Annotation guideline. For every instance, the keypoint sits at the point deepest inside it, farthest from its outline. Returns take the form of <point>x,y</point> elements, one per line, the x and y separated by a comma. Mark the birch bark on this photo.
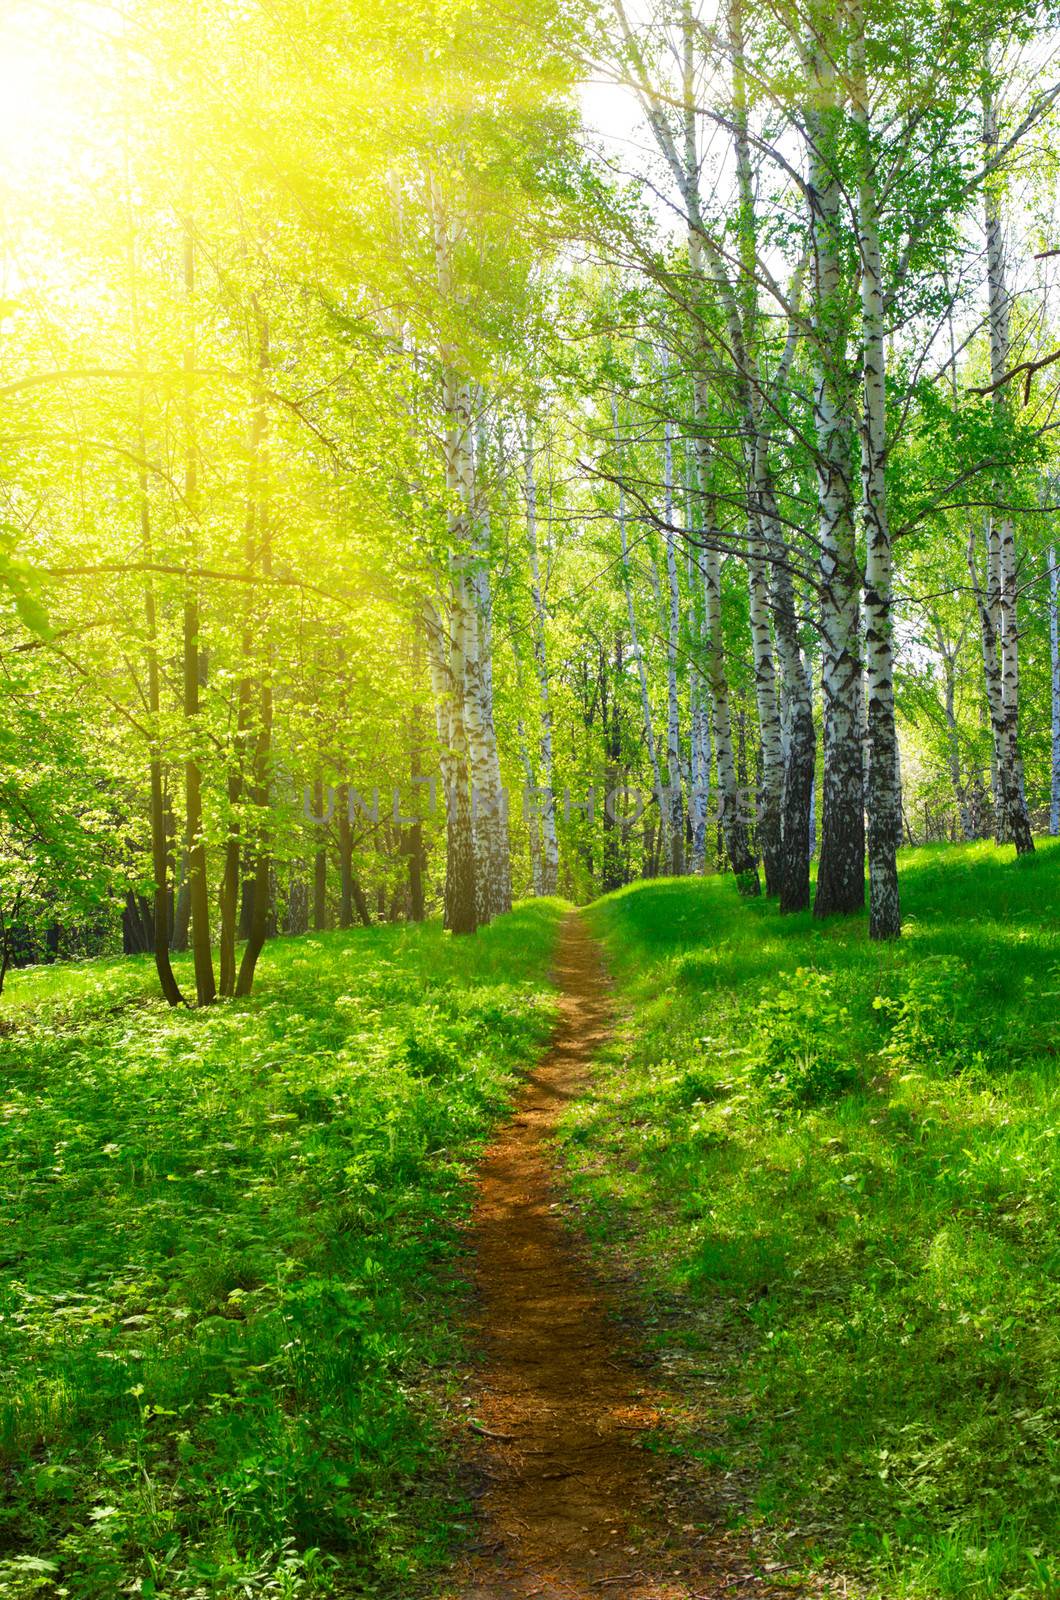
<point>634,637</point>
<point>699,708</point>
<point>841,872</point>
<point>882,783</point>
<point>771,768</point>
<point>1054,657</point>
<point>1011,816</point>
<point>493,884</point>
<point>742,316</point>
<point>675,820</point>
<point>948,655</point>
<point>549,842</point>
<point>533,821</point>
<point>797,826</point>
<point>731,817</point>
<point>460,892</point>
<point>261,890</point>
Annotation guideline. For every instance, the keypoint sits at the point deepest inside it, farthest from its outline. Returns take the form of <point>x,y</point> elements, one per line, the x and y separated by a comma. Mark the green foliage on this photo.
<point>229,1263</point>
<point>836,1166</point>
<point>798,1058</point>
<point>17,585</point>
<point>936,1022</point>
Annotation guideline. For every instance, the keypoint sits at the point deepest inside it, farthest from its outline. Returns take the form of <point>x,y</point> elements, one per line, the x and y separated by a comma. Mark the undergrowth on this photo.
<point>228,1302</point>
<point>837,1166</point>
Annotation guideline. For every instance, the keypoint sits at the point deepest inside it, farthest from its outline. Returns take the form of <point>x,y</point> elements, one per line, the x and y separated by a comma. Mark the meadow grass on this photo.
<point>230,1315</point>
<point>835,1168</point>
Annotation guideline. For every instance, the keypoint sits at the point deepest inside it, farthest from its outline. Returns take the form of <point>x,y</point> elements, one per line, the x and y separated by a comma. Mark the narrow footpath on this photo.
<point>572,1506</point>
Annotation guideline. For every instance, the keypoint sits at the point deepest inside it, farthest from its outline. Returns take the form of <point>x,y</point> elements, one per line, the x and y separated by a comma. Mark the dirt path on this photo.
<point>572,1507</point>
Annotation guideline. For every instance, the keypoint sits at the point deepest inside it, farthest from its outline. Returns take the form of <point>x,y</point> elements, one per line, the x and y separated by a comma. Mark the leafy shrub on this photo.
<point>798,1056</point>
<point>937,1020</point>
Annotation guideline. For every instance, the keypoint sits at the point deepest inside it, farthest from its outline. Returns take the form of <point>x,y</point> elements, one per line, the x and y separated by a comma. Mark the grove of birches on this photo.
<point>452,452</point>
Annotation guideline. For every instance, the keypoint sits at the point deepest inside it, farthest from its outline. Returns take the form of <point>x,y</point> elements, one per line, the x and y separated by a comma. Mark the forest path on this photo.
<point>572,1507</point>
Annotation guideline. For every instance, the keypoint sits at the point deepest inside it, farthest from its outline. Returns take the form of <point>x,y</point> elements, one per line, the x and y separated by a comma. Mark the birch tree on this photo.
<point>549,842</point>
<point>997,597</point>
<point>673,800</point>
<point>841,870</point>
<point>882,783</point>
<point>1054,679</point>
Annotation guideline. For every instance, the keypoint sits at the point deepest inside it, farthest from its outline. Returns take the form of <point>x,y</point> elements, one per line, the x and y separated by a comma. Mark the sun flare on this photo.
<point>43,105</point>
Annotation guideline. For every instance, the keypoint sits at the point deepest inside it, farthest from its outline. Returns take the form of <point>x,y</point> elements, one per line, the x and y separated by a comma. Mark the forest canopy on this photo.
<point>448,453</point>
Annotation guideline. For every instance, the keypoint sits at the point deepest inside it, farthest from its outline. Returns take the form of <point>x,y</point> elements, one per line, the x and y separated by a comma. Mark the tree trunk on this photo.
<point>549,842</point>
<point>961,794</point>
<point>414,844</point>
<point>136,930</point>
<point>445,659</point>
<point>228,898</point>
<point>262,877</point>
<point>460,896</point>
<point>700,753</point>
<point>530,776</point>
<point>675,811</point>
<point>841,873</point>
<point>612,875</point>
<point>771,772</point>
<point>320,861</point>
<point>198,887</point>
<point>179,937</point>
<point>1054,657</point>
<point>159,832</point>
<point>699,710</point>
<point>259,916</point>
<point>1011,814</point>
<point>731,814</point>
<point>797,793</point>
<point>642,671</point>
<point>493,878</point>
<point>882,791</point>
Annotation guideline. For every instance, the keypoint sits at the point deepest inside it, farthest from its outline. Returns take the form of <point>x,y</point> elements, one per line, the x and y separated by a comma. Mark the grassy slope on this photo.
<point>836,1166</point>
<point>221,1289</point>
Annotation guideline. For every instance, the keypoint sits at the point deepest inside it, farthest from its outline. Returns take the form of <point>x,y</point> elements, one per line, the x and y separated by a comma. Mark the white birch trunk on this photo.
<point>1012,819</point>
<point>1054,657</point>
<point>841,873</point>
<point>801,752</point>
<point>461,894</point>
<point>882,784</point>
<point>730,808</point>
<point>948,657</point>
<point>699,707</point>
<point>549,842</point>
<point>530,775</point>
<point>771,772</point>
<point>493,883</point>
<point>634,637</point>
<point>675,820</point>
<point>741,311</point>
<point>460,898</point>
<point>987,598</point>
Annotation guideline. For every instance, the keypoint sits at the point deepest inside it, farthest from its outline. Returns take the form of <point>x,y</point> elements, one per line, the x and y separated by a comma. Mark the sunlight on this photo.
<point>42,106</point>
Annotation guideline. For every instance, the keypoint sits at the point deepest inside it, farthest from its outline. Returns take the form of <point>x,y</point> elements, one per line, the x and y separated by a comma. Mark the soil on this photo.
<point>572,1504</point>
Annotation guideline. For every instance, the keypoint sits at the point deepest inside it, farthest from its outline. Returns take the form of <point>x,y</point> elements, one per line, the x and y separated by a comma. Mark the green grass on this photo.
<point>836,1167</point>
<point>229,1304</point>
